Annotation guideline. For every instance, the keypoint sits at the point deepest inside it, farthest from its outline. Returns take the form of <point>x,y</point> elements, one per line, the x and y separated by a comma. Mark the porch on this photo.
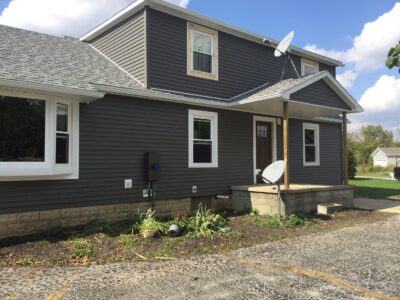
<point>299,198</point>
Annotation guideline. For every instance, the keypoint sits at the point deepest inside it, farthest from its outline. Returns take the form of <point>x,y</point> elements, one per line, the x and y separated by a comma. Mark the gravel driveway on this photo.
<point>361,262</point>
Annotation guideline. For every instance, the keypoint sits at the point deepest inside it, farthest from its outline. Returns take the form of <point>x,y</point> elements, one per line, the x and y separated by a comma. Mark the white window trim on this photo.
<point>315,127</point>
<point>213,117</point>
<point>214,52</point>
<point>47,170</point>
<point>308,62</point>
<point>274,147</point>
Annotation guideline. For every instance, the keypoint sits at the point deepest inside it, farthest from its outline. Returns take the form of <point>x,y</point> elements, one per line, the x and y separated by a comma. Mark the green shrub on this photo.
<point>82,248</point>
<point>282,221</point>
<point>205,223</point>
<point>351,165</point>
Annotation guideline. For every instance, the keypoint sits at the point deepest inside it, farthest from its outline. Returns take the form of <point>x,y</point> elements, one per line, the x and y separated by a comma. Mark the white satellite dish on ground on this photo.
<point>271,175</point>
<point>283,48</point>
<point>284,45</point>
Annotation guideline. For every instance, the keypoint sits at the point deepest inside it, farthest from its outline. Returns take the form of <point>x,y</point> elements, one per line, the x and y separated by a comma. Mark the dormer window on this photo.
<point>202,52</point>
<point>309,67</point>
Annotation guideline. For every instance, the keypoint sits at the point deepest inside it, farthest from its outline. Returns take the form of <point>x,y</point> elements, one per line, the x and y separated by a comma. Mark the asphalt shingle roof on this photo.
<point>391,151</point>
<point>277,88</point>
<point>57,61</point>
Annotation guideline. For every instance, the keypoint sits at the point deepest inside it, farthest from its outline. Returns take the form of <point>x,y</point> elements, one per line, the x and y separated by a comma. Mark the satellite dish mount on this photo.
<point>272,175</point>
<point>283,48</point>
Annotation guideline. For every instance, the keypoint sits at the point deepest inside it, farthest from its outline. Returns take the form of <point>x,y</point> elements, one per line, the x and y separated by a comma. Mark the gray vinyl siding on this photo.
<point>243,65</point>
<point>330,169</point>
<point>115,134</point>
<point>125,45</point>
<point>320,93</point>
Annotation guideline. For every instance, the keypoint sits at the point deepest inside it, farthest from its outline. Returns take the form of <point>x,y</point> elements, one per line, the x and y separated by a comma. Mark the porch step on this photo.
<point>328,208</point>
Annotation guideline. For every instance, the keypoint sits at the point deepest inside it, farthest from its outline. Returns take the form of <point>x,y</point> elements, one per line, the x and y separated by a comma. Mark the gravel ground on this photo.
<point>361,262</point>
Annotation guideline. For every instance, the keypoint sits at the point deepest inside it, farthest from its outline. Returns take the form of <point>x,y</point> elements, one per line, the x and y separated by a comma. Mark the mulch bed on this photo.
<point>115,243</point>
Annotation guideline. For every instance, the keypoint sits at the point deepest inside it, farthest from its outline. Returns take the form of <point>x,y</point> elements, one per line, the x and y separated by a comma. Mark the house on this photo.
<point>205,102</point>
<point>386,157</point>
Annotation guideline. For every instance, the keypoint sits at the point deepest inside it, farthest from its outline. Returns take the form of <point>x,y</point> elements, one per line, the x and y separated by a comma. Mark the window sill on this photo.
<point>311,164</point>
<point>24,173</point>
<point>203,166</point>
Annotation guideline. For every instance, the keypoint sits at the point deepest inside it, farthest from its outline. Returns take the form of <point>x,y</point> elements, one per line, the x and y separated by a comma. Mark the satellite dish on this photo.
<point>274,172</point>
<point>284,45</point>
<point>271,175</point>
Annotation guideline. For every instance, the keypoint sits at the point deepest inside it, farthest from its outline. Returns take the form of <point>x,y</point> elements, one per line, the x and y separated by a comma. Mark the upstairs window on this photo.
<point>203,139</point>
<point>310,144</point>
<point>202,52</point>
<point>309,67</point>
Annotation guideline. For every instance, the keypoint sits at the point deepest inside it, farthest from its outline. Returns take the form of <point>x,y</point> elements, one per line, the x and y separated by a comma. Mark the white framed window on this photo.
<point>39,137</point>
<point>203,139</point>
<point>311,149</point>
<point>202,48</point>
<point>309,67</point>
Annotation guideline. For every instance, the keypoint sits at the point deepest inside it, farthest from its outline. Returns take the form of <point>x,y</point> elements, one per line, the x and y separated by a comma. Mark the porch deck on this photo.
<point>299,198</point>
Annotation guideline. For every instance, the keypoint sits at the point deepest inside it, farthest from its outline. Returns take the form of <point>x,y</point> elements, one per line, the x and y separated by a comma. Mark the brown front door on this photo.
<point>263,146</point>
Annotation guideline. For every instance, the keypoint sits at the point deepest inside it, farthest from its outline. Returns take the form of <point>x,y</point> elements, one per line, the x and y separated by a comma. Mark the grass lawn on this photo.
<point>377,188</point>
<point>374,174</point>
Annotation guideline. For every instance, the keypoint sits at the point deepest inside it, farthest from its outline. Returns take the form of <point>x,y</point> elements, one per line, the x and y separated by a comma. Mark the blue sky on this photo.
<point>335,28</point>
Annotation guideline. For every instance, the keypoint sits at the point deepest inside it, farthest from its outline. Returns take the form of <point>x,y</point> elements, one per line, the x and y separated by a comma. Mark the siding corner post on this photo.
<point>147,45</point>
<point>286,142</point>
<point>344,149</point>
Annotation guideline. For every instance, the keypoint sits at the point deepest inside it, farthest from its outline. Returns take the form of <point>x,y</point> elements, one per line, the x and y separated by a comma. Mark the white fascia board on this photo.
<point>81,95</point>
<point>186,14</point>
<point>377,149</point>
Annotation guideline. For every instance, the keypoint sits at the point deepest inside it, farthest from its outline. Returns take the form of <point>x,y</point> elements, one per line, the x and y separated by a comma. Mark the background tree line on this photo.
<point>363,142</point>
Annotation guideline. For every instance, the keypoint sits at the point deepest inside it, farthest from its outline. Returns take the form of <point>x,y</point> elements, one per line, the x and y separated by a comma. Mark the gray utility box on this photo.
<point>153,166</point>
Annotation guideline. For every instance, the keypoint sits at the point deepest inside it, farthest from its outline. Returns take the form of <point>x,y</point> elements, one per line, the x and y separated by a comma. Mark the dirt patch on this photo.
<point>105,243</point>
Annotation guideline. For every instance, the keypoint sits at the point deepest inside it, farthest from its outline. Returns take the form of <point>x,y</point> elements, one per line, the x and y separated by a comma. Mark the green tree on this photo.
<point>393,58</point>
<point>367,140</point>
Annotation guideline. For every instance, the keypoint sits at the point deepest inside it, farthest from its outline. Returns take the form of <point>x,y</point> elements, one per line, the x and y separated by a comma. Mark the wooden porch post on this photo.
<point>344,149</point>
<point>286,142</point>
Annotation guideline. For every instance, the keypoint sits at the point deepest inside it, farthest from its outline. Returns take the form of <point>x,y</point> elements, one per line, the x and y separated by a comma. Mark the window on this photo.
<point>309,67</point>
<point>39,138</point>
<point>203,139</point>
<point>310,144</point>
<point>62,134</point>
<point>22,130</point>
<point>202,52</point>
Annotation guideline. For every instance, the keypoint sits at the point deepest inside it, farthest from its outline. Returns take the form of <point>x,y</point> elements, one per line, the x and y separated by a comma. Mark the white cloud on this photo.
<point>63,17</point>
<point>384,95</point>
<point>381,103</point>
<point>347,78</point>
<point>370,47</point>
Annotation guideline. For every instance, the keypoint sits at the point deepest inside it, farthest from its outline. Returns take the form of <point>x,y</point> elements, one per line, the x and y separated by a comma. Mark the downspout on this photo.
<point>147,44</point>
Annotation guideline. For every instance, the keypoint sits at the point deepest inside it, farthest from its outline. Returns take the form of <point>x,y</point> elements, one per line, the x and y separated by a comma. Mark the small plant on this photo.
<point>82,248</point>
<point>149,226</point>
<point>127,240</point>
<point>254,211</point>
<point>205,223</point>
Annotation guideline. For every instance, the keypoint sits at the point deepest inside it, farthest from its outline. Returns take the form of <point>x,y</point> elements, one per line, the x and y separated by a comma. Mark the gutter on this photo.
<point>40,88</point>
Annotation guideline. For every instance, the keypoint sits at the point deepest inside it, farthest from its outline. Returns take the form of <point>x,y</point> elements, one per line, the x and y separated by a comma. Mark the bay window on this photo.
<point>39,137</point>
<point>203,139</point>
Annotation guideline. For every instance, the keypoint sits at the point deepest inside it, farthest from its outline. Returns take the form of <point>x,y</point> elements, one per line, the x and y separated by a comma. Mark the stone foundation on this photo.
<point>26,223</point>
<point>302,201</point>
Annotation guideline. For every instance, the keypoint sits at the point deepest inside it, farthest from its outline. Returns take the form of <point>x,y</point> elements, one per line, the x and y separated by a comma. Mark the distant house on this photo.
<point>385,157</point>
